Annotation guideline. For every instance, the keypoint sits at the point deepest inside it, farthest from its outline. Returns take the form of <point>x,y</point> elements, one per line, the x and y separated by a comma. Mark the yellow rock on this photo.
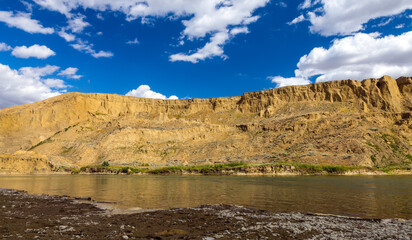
<point>339,122</point>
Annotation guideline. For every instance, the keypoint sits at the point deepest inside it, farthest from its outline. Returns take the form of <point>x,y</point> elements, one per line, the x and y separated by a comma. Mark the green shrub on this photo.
<point>105,164</point>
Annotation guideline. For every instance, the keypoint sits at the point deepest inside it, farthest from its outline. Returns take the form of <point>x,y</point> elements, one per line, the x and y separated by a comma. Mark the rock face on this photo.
<point>345,122</point>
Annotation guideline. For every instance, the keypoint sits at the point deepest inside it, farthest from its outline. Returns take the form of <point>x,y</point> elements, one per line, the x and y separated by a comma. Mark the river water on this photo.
<point>362,196</point>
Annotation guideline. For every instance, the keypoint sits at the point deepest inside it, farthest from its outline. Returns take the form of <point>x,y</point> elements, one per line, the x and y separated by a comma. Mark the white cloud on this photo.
<point>76,23</point>
<point>37,72</point>
<point>173,97</point>
<point>59,6</point>
<point>346,17</point>
<point>133,42</point>
<point>299,19</point>
<point>88,48</point>
<point>211,49</point>
<point>239,30</point>
<point>70,73</point>
<point>36,51</point>
<point>305,4</point>
<point>24,22</point>
<point>27,85</point>
<point>55,83</point>
<point>100,16</point>
<point>283,82</point>
<point>202,18</point>
<point>282,4</point>
<point>143,91</point>
<point>358,57</point>
<point>67,36</point>
<point>101,54</point>
<point>4,47</point>
<point>400,26</point>
<point>28,6</point>
<point>385,22</point>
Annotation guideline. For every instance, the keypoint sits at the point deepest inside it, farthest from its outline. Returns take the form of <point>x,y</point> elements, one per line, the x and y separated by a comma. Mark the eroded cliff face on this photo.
<point>345,122</point>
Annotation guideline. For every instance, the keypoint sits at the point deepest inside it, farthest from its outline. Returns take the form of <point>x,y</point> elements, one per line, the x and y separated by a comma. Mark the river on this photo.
<point>361,196</point>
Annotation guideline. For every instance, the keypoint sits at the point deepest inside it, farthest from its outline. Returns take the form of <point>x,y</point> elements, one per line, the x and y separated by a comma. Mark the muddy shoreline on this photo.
<point>27,216</point>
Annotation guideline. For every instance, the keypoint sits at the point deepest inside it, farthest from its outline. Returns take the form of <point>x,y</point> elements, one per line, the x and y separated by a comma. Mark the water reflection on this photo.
<point>368,196</point>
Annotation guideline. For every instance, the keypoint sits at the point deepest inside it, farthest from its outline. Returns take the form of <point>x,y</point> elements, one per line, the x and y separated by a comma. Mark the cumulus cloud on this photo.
<point>143,91</point>
<point>133,42</point>
<point>239,30</point>
<point>85,47</point>
<point>202,18</point>
<point>399,26</point>
<point>76,23</point>
<point>36,51</point>
<point>55,83</point>
<point>305,4</point>
<point>28,85</point>
<point>24,22</point>
<point>211,49</point>
<point>4,47</point>
<point>70,72</point>
<point>283,82</point>
<point>357,57</point>
<point>67,36</point>
<point>299,19</point>
<point>346,17</point>
<point>37,72</point>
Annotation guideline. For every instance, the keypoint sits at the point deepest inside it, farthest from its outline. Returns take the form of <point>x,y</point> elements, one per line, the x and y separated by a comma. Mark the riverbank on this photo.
<point>61,217</point>
<point>239,168</point>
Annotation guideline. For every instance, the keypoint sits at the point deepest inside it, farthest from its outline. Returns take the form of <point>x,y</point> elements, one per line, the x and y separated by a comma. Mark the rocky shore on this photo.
<point>61,217</point>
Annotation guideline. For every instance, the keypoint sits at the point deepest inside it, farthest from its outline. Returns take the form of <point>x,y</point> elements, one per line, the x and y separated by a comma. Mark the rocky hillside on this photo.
<point>347,122</point>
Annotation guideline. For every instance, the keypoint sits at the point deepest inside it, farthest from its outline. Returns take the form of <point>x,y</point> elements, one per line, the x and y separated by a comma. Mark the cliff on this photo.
<point>345,122</point>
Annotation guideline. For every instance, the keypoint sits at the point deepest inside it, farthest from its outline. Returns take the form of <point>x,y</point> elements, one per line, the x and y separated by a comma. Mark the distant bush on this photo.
<point>105,164</point>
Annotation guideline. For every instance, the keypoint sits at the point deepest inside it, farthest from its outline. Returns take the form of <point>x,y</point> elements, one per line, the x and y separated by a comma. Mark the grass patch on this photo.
<point>392,142</point>
<point>316,168</point>
<point>227,168</point>
<point>377,148</point>
<point>99,113</point>
<point>66,150</point>
<point>48,140</point>
<point>66,129</point>
<point>140,149</point>
<point>373,158</point>
<point>204,169</point>
<point>392,168</point>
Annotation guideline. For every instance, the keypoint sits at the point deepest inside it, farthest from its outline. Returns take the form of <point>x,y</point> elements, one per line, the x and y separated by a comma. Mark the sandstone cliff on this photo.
<point>345,122</point>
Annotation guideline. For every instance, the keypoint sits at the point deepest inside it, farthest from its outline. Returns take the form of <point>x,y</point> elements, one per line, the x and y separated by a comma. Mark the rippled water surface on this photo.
<point>367,196</point>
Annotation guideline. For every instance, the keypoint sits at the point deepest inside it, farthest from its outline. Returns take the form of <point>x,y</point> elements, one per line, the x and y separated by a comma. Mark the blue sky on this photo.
<point>196,49</point>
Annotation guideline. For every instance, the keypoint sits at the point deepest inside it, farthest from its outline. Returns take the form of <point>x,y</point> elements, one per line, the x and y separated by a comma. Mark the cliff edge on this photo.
<point>346,122</point>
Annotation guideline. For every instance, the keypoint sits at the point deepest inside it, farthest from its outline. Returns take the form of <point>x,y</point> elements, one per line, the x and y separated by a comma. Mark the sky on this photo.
<point>177,49</point>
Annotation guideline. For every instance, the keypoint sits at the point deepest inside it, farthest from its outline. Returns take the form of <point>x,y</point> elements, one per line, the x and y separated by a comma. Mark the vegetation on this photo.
<point>140,149</point>
<point>392,168</point>
<point>66,150</point>
<point>374,146</point>
<point>66,129</point>
<point>235,167</point>
<point>99,113</point>
<point>41,143</point>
